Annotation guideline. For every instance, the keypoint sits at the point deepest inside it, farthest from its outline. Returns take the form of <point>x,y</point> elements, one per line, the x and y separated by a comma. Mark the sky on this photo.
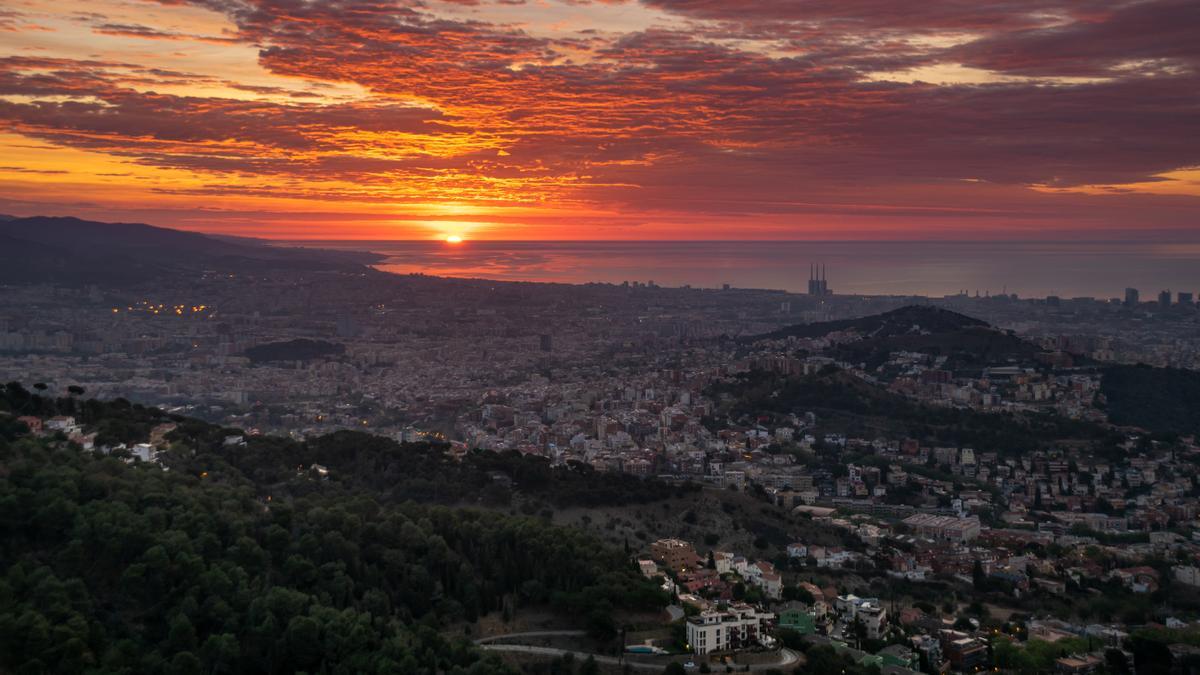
<point>608,119</point>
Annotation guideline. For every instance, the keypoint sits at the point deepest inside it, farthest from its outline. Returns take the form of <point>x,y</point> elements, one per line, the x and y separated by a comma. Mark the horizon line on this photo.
<point>465,242</point>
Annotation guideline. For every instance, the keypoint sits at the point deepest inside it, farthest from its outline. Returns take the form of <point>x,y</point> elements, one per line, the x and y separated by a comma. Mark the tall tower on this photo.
<point>817,284</point>
<point>1131,297</point>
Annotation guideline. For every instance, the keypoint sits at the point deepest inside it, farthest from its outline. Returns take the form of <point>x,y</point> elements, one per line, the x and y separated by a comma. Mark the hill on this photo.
<point>908,320</point>
<point>618,508</point>
<point>846,403</point>
<point>294,350</point>
<point>1161,400</point>
<point>25,261</point>
<point>391,470</point>
<point>71,251</point>
<point>112,566</point>
<point>965,341</point>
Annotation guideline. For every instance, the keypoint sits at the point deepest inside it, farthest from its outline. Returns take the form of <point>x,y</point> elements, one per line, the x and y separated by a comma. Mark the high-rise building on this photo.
<point>1184,298</point>
<point>1131,297</point>
<point>817,285</point>
<point>1164,298</point>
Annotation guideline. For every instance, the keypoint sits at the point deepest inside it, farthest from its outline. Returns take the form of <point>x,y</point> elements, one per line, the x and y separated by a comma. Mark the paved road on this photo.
<point>790,658</point>
<point>530,634</point>
<point>550,651</point>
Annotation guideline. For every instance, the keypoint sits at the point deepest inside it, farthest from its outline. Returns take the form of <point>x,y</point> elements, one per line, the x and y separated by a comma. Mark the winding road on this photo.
<point>531,634</point>
<point>789,657</point>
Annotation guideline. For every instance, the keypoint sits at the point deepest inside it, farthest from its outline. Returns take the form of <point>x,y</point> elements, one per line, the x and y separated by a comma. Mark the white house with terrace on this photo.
<point>737,627</point>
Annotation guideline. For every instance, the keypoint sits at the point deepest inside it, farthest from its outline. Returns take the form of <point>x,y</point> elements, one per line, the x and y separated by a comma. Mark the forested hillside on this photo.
<point>1164,400</point>
<point>861,408</point>
<point>966,342</point>
<point>109,566</point>
<point>909,320</point>
<point>294,350</point>
<point>392,471</point>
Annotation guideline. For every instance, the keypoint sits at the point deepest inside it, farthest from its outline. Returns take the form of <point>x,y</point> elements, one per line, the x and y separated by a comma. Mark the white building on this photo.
<point>874,618</point>
<point>738,627</point>
<point>850,606</point>
<point>836,559</point>
<point>771,584</point>
<point>61,423</point>
<point>648,568</point>
<point>143,451</point>
<point>1186,575</point>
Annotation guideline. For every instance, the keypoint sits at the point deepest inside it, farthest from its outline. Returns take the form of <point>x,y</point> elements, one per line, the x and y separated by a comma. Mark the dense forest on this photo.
<point>294,350</point>
<point>1162,400</point>
<point>965,349</point>
<point>903,321</point>
<point>393,471</point>
<point>422,471</point>
<point>838,396</point>
<point>111,566</point>
<point>967,343</point>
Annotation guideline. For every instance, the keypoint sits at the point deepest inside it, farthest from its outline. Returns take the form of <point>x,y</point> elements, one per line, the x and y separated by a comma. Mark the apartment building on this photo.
<point>738,627</point>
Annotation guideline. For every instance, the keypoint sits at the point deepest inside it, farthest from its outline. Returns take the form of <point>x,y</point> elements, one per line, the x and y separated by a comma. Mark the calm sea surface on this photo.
<point>1068,269</point>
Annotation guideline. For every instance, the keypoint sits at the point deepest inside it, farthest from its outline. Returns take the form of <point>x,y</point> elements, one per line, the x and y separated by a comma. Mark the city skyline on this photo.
<point>659,119</point>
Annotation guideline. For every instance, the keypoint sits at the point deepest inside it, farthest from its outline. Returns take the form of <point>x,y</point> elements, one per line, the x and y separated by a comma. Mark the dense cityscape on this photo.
<point>882,483</point>
<point>424,354</point>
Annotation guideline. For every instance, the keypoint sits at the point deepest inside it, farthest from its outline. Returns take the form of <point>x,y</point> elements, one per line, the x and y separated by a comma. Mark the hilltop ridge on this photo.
<point>966,342</point>
<point>72,251</point>
<point>907,320</point>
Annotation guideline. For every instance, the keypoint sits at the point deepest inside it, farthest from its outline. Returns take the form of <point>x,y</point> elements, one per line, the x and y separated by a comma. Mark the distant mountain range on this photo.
<point>72,251</point>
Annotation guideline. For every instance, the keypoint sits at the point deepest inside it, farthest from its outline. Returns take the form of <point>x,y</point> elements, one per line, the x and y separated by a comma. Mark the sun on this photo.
<point>453,239</point>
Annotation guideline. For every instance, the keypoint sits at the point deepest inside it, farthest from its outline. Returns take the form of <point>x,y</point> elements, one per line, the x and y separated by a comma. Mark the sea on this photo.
<point>930,268</point>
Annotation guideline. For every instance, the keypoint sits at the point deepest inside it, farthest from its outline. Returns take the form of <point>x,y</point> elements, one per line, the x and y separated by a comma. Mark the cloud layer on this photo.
<point>771,118</point>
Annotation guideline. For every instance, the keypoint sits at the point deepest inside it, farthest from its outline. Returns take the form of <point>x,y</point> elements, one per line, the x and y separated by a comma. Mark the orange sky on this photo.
<point>606,119</point>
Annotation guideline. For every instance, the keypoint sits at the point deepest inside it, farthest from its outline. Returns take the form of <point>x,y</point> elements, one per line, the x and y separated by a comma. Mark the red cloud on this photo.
<point>751,108</point>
